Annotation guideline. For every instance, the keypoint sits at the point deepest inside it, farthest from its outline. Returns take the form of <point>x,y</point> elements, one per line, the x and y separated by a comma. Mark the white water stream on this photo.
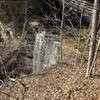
<point>45,51</point>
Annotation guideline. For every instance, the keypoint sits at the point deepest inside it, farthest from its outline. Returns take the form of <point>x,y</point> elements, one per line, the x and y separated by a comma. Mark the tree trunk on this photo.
<point>95,19</point>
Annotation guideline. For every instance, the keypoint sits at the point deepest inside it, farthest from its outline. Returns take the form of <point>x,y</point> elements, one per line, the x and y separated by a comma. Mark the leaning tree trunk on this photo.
<point>95,19</point>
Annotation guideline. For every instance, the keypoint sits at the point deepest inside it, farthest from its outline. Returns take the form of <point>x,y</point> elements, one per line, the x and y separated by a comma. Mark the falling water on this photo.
<point>45,51</point>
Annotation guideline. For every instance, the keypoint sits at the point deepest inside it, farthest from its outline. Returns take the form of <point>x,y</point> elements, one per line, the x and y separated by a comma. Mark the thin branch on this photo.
<point>63,8</point>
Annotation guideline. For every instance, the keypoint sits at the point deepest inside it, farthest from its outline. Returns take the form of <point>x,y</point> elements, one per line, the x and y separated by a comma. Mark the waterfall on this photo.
<point>45,51</point>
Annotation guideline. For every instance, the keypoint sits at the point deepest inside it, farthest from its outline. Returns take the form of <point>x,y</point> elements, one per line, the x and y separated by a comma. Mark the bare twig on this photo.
<point>82,11</point>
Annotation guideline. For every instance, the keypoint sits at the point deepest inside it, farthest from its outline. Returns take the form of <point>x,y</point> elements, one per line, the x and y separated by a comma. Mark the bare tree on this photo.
<point>93,32</point>
<point>62,21</point>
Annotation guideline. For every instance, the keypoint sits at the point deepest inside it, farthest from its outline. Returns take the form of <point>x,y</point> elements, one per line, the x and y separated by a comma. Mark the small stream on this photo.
<point>45,51</point>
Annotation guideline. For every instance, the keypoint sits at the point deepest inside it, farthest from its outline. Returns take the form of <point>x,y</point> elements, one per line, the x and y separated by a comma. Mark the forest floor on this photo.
<point>63,81</point>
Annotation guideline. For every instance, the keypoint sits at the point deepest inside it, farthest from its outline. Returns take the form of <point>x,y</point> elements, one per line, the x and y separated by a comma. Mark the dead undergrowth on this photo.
<point>63,81</point>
